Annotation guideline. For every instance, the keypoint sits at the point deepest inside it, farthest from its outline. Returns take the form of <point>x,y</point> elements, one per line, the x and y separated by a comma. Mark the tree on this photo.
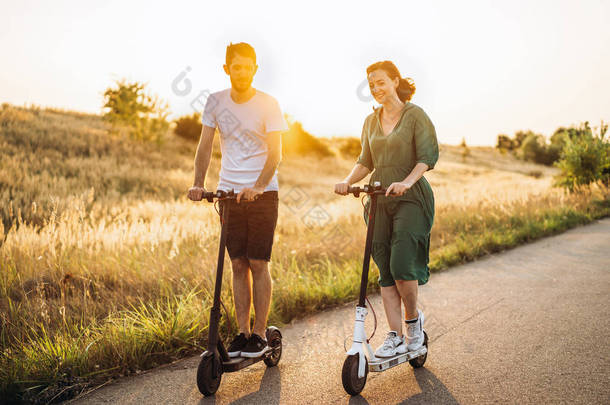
<point>519,138</point>
<point>585,159</point>
<point>143,115</point>
<point>504,143</point>
<point>465,149</point>
<point>534,149</point>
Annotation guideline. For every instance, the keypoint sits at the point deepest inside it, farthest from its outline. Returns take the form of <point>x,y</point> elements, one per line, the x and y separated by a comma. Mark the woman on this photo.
<point>399,143</point>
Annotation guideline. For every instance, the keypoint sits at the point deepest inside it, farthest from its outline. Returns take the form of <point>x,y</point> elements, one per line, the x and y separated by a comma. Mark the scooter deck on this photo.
<point>238,363</point>
<point>384,363</point>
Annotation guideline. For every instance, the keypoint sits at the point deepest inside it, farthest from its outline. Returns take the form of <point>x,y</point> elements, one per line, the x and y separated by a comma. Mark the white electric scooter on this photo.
<point>356,365</point>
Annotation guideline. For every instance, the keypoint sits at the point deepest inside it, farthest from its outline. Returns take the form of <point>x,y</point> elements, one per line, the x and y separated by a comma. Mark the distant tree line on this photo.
<point>580,152</point>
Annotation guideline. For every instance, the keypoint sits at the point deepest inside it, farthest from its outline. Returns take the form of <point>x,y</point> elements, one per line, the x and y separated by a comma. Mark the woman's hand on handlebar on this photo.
<point>342,188</point>
<point>397,189</point>
<point>195,193</point>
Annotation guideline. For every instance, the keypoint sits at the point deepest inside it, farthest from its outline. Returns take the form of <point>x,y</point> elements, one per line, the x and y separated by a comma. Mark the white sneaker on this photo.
<point>415,332</point>
<point>392,346</point>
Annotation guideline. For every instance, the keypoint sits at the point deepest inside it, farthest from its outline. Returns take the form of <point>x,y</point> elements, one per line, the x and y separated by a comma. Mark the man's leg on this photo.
<point>262,219</point>
<point>242,296</point>
<point>262,294</point>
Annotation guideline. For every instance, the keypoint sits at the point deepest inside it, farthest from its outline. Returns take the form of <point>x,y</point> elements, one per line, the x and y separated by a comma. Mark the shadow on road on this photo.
<point>432,391</point>
<point>268,392</point>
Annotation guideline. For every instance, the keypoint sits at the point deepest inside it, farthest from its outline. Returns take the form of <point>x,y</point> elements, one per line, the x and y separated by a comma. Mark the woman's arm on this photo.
<point>358,173</point>
<point>426,153</point>
<point>399,188</point>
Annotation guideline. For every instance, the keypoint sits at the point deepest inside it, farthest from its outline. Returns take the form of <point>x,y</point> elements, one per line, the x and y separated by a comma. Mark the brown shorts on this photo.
<point>251,226</point>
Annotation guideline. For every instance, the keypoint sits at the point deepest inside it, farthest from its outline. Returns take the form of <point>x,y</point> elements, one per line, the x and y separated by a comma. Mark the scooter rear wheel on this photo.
<point>349,375</point>
<point>419,361</point>
<point>209,374</point>
<point>274,339</point>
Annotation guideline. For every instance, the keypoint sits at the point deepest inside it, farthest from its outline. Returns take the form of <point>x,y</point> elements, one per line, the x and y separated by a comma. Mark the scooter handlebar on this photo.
<point>219,195</point>
<point>367,189</point>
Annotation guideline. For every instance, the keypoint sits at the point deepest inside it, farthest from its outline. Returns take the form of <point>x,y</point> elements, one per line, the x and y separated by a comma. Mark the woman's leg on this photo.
<point>409,256</point>
<point>408,293</point>
<point>381,250</point>
<point>391,305</point>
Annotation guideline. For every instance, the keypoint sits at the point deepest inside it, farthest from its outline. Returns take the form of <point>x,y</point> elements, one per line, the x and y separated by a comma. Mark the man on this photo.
<point>250,123</point>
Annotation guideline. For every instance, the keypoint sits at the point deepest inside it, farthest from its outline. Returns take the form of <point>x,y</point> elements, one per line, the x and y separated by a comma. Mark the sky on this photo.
<point>481,68</point>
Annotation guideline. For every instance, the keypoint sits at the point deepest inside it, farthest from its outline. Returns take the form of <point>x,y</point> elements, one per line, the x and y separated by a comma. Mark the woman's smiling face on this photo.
<point>382,87</point>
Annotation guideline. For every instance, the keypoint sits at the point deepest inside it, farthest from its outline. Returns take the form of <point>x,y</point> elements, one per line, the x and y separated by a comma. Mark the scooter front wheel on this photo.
<point>209,374</point>
<point>349,375</point>
<point>274,339</point>
<point>419,361</point>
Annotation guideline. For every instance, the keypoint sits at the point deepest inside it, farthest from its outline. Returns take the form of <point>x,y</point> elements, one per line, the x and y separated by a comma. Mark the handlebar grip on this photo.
<point>369,189</point>
<point>354,190</point>
<point>210,195</point>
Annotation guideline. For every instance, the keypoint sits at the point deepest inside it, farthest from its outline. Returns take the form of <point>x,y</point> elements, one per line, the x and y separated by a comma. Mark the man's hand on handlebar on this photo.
<point>249,194</point>
<point>342,188</point>
<point>195,193</point>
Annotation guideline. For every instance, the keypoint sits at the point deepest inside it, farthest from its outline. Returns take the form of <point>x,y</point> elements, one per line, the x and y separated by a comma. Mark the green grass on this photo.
<point>111,272</point>
<point>60,364</point>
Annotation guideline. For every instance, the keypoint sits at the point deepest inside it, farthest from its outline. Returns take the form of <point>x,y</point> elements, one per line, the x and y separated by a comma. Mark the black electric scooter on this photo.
<point>215,360</point>
<point>356,365</point>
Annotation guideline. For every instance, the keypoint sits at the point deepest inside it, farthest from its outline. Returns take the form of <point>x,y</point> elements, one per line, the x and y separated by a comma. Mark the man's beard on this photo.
<point>241,87</point>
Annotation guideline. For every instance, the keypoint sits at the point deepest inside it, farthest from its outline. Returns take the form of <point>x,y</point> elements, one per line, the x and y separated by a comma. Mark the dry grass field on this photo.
<point>106,268</point>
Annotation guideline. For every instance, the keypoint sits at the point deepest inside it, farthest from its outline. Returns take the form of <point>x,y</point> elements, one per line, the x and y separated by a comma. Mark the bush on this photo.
<point>504,143</point>
<point>533,147</point>
<point>350,148</point>
<point>189,127</point>
<point>297,141</point>
<point>143,116</point>
<point>584,159</point>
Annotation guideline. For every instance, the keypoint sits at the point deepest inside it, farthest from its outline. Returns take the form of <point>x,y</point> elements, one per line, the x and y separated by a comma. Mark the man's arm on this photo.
<point>203,155</point>
<point>202,162</point>
<point>274,157</point>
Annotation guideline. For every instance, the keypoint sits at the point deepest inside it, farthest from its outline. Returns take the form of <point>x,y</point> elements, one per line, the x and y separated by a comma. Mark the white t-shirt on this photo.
<point>243,130</point>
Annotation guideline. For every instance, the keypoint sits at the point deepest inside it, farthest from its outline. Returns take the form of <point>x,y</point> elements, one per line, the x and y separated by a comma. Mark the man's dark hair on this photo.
<point>242,49</point>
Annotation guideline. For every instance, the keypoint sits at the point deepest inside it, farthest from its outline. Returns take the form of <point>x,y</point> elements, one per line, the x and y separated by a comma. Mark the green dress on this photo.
<point>401,239</point>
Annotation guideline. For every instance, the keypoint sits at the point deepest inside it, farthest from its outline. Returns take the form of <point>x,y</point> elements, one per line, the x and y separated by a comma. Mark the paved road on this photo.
<point>530,325</point>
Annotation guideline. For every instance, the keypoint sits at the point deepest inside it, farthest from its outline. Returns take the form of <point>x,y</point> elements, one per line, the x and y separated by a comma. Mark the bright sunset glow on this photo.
<point>481,68</point>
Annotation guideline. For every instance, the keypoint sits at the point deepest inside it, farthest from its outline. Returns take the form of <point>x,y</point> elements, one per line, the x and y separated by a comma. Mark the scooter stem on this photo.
<point>215,310</point>
<point>367,250</point>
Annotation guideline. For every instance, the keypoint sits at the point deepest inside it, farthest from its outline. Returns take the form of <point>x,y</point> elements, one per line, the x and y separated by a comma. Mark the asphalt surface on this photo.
<point>529,325</point>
